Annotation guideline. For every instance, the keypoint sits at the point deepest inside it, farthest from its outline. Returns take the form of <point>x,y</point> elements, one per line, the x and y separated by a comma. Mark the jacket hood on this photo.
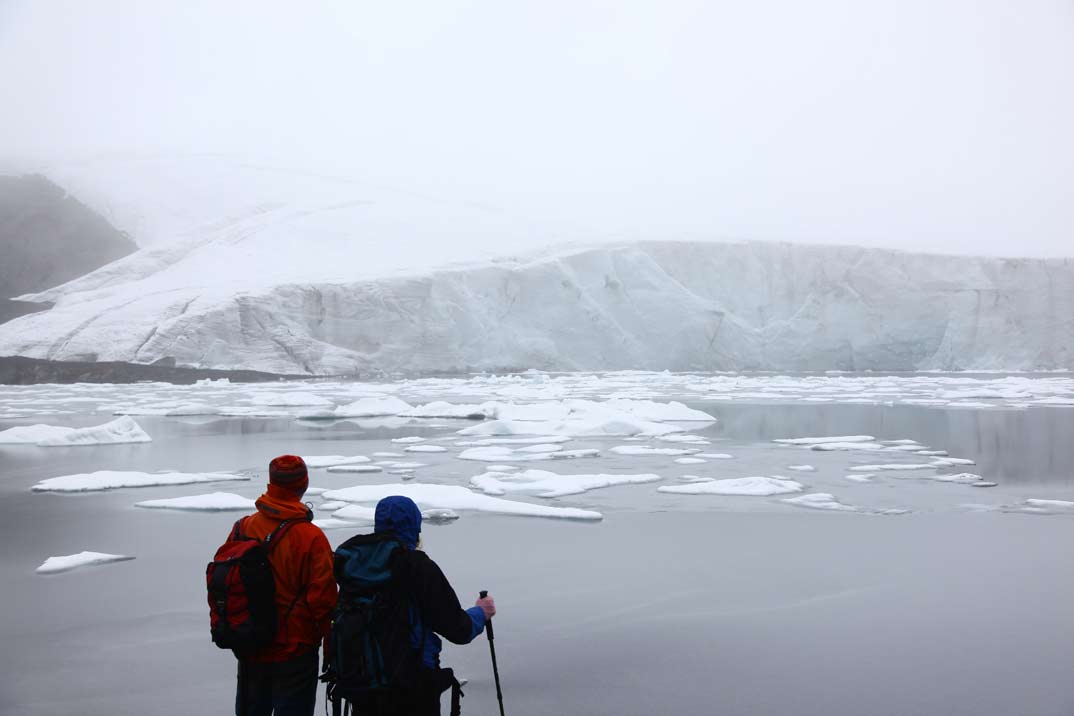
<point>279,503</point>
<point>400,516</point>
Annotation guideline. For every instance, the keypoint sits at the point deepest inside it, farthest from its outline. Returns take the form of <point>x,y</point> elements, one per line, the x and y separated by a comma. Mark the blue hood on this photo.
<point>400,516</point>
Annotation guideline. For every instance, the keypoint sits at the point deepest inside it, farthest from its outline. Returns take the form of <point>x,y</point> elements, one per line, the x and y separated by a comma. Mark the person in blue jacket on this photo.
<point>439,612</point>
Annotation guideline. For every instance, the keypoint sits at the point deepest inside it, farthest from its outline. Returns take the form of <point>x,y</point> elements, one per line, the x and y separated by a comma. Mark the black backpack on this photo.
<point>373,652</point>
<point>242,591</point>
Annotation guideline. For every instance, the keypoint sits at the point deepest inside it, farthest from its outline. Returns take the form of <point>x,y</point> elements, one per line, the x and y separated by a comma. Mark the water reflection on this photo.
<point>1020,446</point>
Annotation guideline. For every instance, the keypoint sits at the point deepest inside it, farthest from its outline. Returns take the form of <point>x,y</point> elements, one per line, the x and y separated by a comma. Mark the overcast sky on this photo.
<point>924,124</point>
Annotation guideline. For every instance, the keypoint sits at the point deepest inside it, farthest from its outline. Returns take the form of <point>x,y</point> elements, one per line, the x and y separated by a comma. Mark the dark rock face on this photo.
<point>15,370</point>
<point>47,238</point>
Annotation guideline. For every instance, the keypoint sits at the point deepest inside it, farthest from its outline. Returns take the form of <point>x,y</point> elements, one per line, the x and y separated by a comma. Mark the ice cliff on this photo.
<point>647,305</point>
<point>268,268</point>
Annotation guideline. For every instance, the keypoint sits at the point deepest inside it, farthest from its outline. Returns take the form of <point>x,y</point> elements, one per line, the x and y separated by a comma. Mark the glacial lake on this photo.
<point>677,603</point>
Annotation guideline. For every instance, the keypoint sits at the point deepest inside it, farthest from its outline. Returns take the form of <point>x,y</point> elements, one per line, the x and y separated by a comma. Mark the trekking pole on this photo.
<point>492,650</point>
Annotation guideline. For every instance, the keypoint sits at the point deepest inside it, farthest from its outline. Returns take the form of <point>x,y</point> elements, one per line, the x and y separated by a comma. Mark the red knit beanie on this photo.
<point>289,471</point>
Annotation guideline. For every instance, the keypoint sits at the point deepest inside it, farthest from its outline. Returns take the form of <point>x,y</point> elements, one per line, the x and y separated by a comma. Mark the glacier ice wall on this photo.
<point>645,305</point>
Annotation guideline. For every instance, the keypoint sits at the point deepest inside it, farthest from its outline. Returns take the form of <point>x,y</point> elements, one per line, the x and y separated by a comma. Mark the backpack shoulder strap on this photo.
<point>282,529</point>
<point>236,531</point>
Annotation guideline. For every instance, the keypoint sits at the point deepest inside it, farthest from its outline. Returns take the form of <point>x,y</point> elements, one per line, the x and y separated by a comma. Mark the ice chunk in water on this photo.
<point>821,441</point>
<point>646,450</point>
<point>316,461</point>
<point>111,479</point>
<point>752,486</point>
<point>65,563</point>
<point>211,502</point>
<point>355,468</point>
<point>119,431</point>
<point>452,497</point>
<point>550,484</point>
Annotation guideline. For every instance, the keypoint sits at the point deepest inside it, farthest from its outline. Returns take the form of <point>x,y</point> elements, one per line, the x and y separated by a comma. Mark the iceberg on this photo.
<point>549,484</point>
<point>115,479</point>
<point>67,562</point>
<point>120,431</point>
<point>751,486</point>
<point>450,497</point>
<point>211,502</point>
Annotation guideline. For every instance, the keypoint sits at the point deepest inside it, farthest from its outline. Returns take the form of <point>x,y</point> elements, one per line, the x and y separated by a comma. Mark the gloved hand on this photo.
<point>487,605</point>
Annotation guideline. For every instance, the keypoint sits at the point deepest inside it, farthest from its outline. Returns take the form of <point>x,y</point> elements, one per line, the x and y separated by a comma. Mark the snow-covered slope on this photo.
<point>327,279</point>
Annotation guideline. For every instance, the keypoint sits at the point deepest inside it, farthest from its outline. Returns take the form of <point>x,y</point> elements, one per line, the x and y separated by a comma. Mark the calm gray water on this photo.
<point>674,603</point>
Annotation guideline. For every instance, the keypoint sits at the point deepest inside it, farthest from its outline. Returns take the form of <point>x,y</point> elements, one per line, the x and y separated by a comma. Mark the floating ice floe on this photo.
<point>403,465</point>
<point>331,523</point>
<point>751,486</point>
<point>802,468</point>
<point>827,501</point>
<point>822,441</point>
<point>502,453</point>
<point>1051,504</point>
<point>646,450</point>
<point>441,409</point>
<point>535,440</point>
<point>860,478</point>
<point>1054,401</point>
<point>966,478</point>
<point>690,461</point>
<point>67,562</point>
<point>318,461</point>
<point>608,426</point>
<point>952,461</point>
<point>439,516</point>
<point>211,502</point>
<point>1034,506</point>
<point>659,412</point>
<point>314,490</point>
<point>550,484</point>
<point>690,438</point>
<point>331,505</point>
<point>173,410</point>
<point>452,497</point>
<point>113,479</point>
<point>426,448</point>
<point>290,398</point>
<point>715,455</point>
<point>409,439</point>
<point>895,467</point>
<point>582,418</point>
<point>358,513</point>
<point>355,468</point>
<point>362,408</point>
<point>119,431</point>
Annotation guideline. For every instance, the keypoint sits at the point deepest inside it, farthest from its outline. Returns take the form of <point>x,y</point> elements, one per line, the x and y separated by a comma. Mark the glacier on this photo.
<point>321,277</point>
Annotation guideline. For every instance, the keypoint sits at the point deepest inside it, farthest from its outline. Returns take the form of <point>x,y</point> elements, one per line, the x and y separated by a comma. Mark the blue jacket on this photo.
<point>438,610</point>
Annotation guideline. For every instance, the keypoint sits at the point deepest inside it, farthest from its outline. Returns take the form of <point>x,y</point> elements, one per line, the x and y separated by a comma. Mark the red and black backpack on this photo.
<point>242,591</point>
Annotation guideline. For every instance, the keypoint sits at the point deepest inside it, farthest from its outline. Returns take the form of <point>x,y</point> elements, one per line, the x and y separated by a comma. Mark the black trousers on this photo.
<point>422,701</point>
<point>286,688</point>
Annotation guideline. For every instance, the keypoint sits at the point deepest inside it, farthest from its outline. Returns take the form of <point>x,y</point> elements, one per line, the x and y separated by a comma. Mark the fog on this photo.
<point>899,123</point>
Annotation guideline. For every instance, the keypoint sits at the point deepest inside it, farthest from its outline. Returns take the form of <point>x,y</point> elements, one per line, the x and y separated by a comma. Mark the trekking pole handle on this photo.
<point>488,621</point>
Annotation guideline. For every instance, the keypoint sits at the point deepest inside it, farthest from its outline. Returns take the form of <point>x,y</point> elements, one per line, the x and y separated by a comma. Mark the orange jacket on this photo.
<point>302,567</point>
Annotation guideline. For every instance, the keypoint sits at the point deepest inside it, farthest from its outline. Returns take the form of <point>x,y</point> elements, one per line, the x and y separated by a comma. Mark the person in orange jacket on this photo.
<point>281,678</point>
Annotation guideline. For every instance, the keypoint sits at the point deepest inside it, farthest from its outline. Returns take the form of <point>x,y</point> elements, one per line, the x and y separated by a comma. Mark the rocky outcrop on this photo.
<point>46,238</point>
